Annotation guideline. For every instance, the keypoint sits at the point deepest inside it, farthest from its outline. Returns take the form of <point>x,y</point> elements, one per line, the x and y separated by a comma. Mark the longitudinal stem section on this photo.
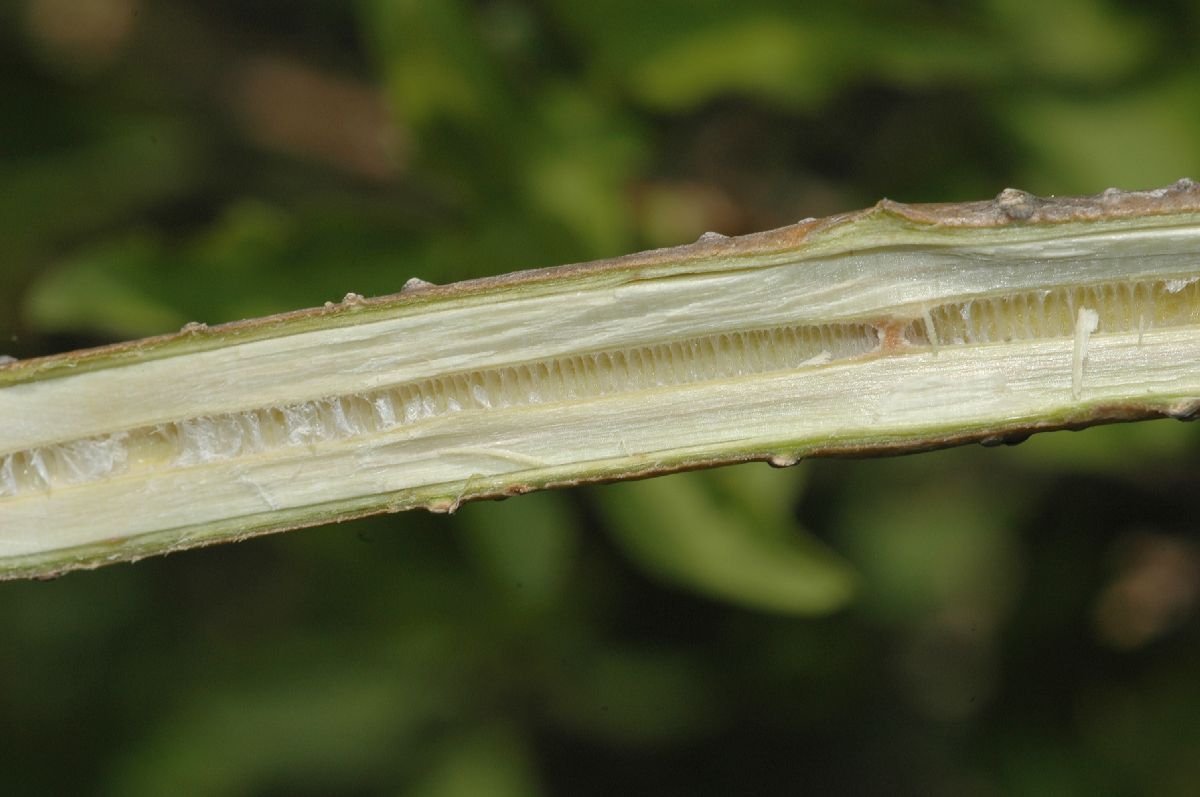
<point>574,378</point>
<point>894,329</point>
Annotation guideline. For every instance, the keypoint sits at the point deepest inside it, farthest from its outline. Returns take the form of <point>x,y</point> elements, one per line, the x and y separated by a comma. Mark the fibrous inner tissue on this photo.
<point>1075,312</point>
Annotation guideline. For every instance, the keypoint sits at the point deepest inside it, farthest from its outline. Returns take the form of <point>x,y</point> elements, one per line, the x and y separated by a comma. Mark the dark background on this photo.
<point>970,622</point>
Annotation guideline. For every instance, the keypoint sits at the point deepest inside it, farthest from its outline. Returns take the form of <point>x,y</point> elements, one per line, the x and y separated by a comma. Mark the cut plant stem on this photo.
<point>893,329</point>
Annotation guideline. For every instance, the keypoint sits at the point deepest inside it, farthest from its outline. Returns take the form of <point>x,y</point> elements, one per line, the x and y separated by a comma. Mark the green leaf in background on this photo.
<point>526,547</point>
<point>488,762</point>
<point>1127,138</point>
<point>1103,44</point>
<point>104,290</point>
<point>121,169</point>
<point>772,57</point>
<point>729,534</point>
<point>141,284</point>
<point>933,538</point>
<point>83,189</point>
<point>580,161</point>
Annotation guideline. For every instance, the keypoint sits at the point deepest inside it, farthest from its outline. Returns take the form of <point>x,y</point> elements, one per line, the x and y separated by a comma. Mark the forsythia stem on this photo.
<point>897,328</point>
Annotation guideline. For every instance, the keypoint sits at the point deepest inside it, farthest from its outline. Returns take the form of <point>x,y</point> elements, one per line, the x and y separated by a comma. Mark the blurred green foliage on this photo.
<point>971,622</point>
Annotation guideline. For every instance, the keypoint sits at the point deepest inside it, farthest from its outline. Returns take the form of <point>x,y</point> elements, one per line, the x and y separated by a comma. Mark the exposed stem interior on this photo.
<point>1077,311</point>
<point>1029,315</point>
